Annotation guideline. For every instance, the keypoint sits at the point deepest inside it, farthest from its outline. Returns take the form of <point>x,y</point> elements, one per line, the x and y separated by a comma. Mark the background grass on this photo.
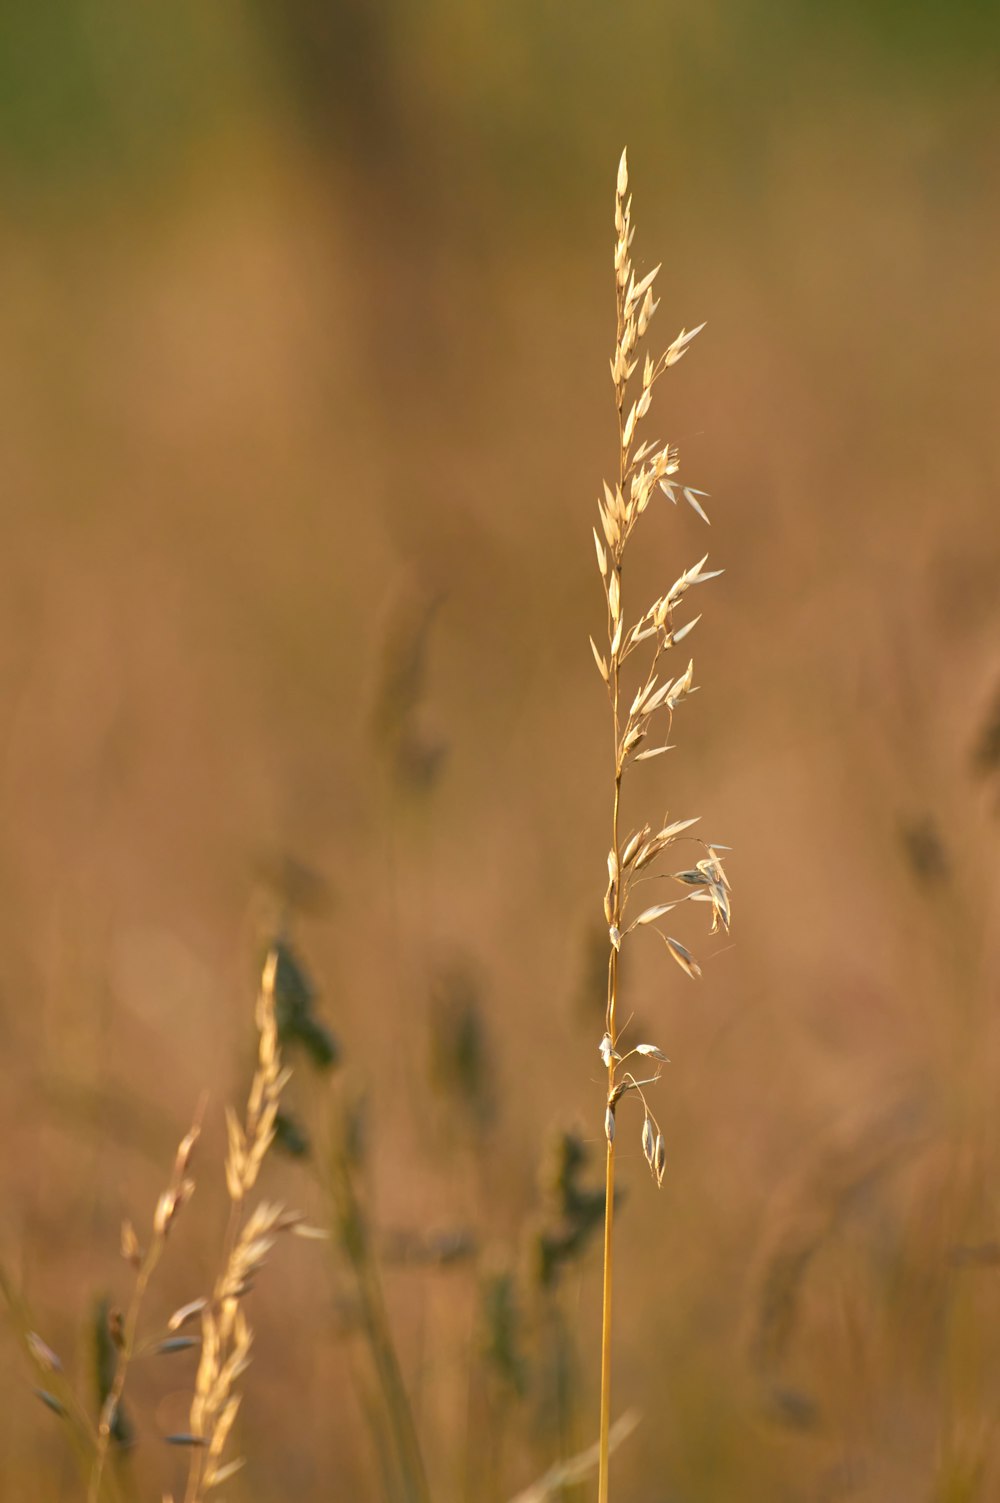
<point>303,361</point>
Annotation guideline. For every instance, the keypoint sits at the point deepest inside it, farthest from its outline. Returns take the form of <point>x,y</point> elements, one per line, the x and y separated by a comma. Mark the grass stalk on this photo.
<point>397,1403</point>
<point>179,1191</point>
<point>110,1407</point>
<point>644,470</point>
<point>611,1022</point>
<point>606,1309</point>
<point>353,1234</point>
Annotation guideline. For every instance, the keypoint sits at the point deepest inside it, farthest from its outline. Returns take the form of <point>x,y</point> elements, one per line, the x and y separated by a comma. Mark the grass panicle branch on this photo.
<point>226,1334</point>
<point>125,1332</point>
<point>641,731</point>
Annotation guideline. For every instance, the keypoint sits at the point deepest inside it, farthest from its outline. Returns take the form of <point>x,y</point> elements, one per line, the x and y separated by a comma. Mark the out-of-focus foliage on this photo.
<point>303,364</point>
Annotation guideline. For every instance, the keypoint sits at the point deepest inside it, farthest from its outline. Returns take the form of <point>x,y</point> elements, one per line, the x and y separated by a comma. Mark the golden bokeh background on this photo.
<point>304,369</point>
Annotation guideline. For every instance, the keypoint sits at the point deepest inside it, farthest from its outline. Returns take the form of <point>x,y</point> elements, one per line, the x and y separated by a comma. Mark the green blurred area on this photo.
<point>106,94</point>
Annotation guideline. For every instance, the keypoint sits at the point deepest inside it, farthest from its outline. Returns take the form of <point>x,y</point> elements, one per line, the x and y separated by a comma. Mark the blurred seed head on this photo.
<point>592,986</point>
<point>435,1249</point>
<point>50,1401</point>
<point>131,1251</point>
<point>412,755</point>
<point>573,1210</point>
<point>104,1350</point>
<point>169,1204</point>
<point>294,1007</point>
<point>986,750</point>
<point>462,1059</point>
<point>294,887</point>
<point>43,1353</point>
<point>792,1408</point>
<point>924,850</point>
<point>289,1136</point>
<point>356,1123</point>
<point>501,1334</point>
<point>185,1313</point>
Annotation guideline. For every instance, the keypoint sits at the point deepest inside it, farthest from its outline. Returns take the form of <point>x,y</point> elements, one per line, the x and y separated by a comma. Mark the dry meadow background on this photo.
<point>304,345</point>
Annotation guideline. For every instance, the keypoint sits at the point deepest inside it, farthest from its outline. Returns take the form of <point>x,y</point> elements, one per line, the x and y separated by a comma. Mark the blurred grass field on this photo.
<point>303,360</point>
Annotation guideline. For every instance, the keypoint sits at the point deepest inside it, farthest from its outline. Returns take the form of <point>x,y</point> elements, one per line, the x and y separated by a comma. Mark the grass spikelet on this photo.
<point>643,699</point>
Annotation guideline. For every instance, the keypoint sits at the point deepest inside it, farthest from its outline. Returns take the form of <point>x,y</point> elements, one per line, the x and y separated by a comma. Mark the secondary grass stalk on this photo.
<point>397,1402</point>
<point>353,1234</point>
<point>176,1195</point>
<point>109,1410</point>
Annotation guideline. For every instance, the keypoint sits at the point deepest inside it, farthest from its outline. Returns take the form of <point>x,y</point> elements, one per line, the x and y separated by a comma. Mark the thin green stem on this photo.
<point>391,1380</point>
<point>356,1244</point>
<point>109,1409</point>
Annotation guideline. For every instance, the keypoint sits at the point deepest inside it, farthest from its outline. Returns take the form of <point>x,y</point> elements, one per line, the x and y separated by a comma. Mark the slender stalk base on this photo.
<point>606,1327</point>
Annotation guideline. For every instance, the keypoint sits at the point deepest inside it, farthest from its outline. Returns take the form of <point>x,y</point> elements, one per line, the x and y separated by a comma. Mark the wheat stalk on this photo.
<point>643,470</point>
